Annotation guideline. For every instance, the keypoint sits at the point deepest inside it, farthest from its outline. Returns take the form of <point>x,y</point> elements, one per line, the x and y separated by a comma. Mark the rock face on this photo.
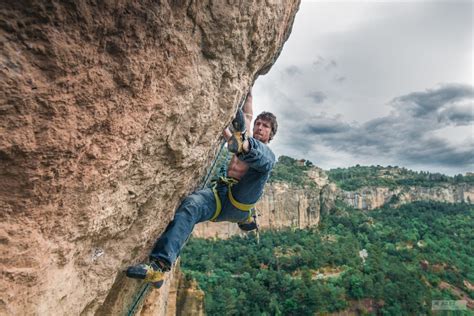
<point>286,206</point>
<point>109,113</point>
<point>190,299</point>
<point>281,205</point>
<point>371,198</point>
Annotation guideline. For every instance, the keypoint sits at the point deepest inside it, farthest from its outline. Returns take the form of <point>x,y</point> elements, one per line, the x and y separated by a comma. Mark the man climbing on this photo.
<point>231,199</point>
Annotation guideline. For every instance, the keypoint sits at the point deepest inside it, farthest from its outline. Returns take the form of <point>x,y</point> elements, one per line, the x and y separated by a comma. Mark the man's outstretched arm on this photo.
<point>248,113</point>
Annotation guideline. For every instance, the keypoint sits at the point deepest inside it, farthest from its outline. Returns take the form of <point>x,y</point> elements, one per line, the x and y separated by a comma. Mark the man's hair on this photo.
<point>269,117</point>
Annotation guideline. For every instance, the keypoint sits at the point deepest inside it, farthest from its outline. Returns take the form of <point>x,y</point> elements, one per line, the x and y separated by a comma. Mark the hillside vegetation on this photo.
<point>292,171</point>
<point>415,254</point>
<point>356,177</point>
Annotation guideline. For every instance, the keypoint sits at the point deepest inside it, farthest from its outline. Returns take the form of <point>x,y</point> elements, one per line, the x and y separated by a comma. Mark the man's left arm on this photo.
<point>247,109</point>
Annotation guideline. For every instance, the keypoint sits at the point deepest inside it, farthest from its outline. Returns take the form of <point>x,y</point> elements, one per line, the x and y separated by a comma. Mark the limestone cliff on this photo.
<point>373,197</point>
<point>190,299</point>
<point>286,205</point>
<point>110,111</point>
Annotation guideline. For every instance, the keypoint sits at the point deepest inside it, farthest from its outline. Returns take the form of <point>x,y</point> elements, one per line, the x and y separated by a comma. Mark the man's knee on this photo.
<point>198,205</point>
<point>190,205</point>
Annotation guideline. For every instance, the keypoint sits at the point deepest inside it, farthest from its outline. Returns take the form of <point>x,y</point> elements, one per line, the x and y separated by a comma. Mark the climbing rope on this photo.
<point>138,299</point>
<point>145,287</point>
<point>208,176</point>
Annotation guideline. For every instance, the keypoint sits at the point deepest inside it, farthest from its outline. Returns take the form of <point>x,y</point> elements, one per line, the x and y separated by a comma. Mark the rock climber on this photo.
<point>231,199</point>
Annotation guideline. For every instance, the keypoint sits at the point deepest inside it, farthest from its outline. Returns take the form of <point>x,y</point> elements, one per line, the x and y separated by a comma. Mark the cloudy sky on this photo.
<point>371,82</point>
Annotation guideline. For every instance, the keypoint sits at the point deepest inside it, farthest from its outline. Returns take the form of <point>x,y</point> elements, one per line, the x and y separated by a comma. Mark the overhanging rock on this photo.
<point>110,112</point>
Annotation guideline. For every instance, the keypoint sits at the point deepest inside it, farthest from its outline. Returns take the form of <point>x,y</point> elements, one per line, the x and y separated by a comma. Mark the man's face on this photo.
<point>262,130</point>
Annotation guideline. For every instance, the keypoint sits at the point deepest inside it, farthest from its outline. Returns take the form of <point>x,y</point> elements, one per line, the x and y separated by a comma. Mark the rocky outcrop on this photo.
<point>110,111</point>
<point>282,205</point>
<point>373,197</point>
<point>190,299</point>
<point>219,230</point>
<point>285,206</point>
<point>181,298</point>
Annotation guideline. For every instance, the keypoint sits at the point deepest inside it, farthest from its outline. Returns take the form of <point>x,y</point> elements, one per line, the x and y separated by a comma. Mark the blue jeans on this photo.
<point>200,206</point>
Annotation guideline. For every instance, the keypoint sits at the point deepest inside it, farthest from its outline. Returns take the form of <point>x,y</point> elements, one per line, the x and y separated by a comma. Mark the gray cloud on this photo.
<point>379,50</point>
<point>326,127</point>
<point>317,96</point>
<point>330,64</point>
<point>319,61</point>
<point>292,70</point>
<point>430,101</point>
<point>439,152</point>
<point>404,136</point>
<point>457,114</point>
<point>326,64</point>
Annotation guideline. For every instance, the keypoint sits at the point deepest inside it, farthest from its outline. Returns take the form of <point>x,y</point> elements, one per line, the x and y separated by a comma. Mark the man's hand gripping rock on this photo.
<point>236,143</point>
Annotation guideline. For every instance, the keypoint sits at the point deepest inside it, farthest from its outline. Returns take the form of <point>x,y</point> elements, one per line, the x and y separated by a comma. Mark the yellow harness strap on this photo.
<point>218,204</point>
<point>237,204</point>
<point>241,206</point>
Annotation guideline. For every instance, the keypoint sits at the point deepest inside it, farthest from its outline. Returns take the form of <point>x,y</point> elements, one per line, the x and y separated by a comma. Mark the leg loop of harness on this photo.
<point>218,203</point>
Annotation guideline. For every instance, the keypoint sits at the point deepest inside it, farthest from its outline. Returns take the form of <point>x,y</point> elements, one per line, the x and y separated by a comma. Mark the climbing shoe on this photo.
<point>149,272</point>
<point>235,143</point>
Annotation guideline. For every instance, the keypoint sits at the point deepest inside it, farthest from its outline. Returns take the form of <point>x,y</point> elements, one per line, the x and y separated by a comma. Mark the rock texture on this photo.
<point>287,206</point>
<point>190,299</point>
<point>181,298</point>
<point>109,113</point>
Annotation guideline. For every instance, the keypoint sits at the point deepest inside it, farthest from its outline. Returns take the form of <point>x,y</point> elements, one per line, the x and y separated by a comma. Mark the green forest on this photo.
<point>417,253</point>
<point>356,177</point>
<point>291,171</point>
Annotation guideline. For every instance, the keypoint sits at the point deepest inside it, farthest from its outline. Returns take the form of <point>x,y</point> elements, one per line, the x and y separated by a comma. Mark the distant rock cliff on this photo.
<point>369,198</point>
<point>287,205</point>
<point>110,111</point>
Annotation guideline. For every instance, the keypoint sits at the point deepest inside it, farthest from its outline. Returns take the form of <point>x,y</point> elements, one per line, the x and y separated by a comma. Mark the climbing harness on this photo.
<point>229,182</point>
